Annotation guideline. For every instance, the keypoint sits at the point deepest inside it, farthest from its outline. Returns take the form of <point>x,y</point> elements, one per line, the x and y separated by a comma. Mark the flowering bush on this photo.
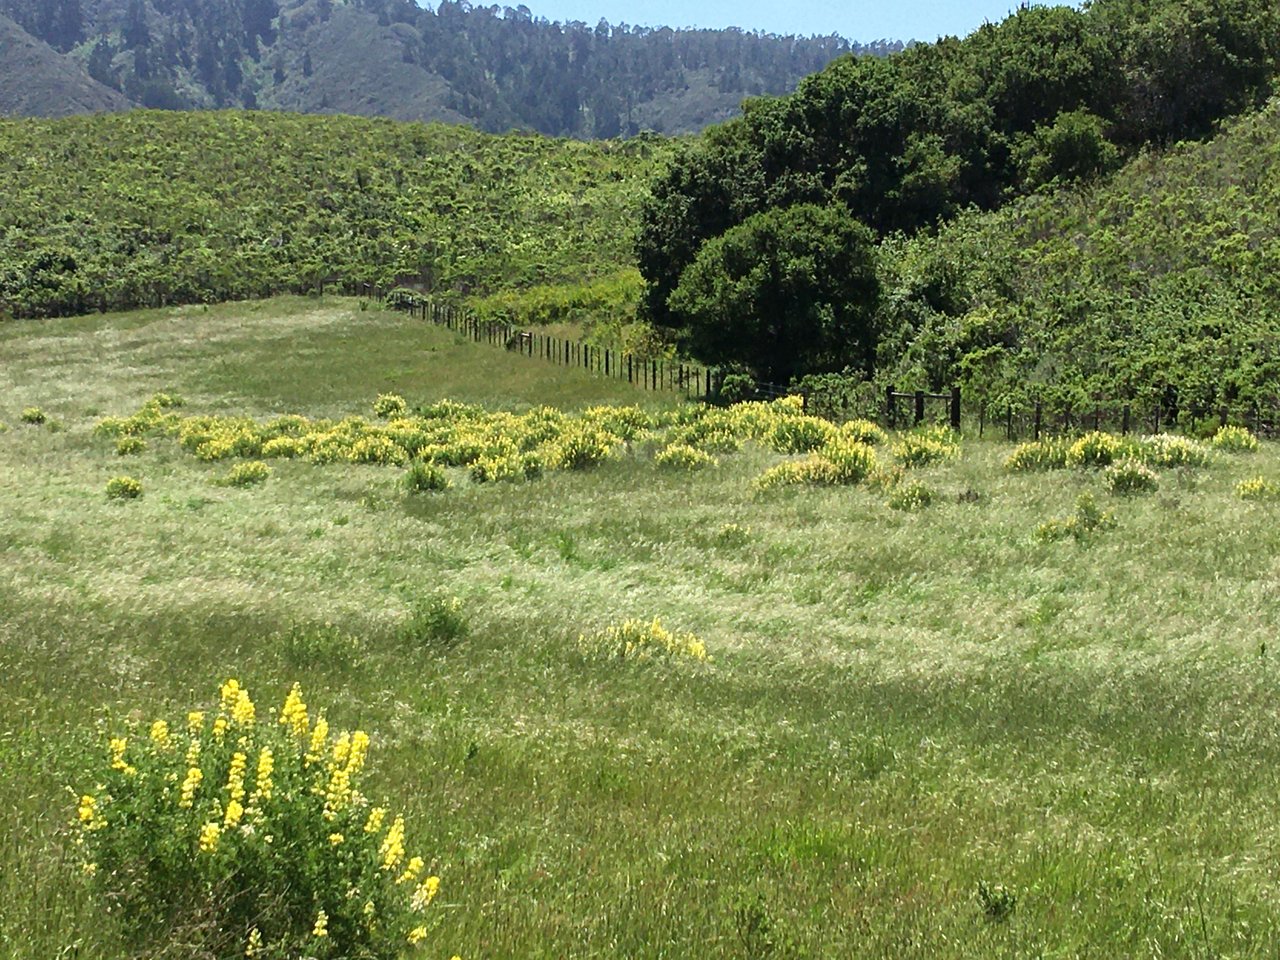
<point>1258,488</point>
<point>1235,440</point>
<point>910,496</point>
<point>863,431</point>
<point>425,477</point>
<point>124,488</point>
<point>922,448</point>
<point>1167,450</point>
<point>641,640</point>
<point>246,474</point>
<point>800,434</point>
<point>247,835</point>
<point>1086,520</point>
<point>129,445</point>
<point>33,415</point>
<point>389,405</point>
<point>681,456</point>
<point>1129,476</point>
<point>1095,449</point>
<point>1048,454</point>
<point>848,461</point>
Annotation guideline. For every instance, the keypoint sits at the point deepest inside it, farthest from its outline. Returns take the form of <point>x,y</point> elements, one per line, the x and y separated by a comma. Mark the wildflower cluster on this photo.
<point>681,456</point>
<point>910,496</point>
<point>33,415</point>
<point>1235,440</point>
<point>248,835</point>
<point>1087,519</point>
<point>1130,476</point>
<point>1258,488</point>
<point>642,640</point>
<point>1098,450</point>
<point>246,474</point>
<point>927,446</point>
<point>124,488</point>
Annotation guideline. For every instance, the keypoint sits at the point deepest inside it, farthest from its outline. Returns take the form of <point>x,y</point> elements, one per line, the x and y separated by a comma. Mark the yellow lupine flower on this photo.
<point>254,947</point>
<point>411,871</point>
<point>338,792</point>
<point>230,695</point>
<point>341,749</point>
<point>417,934</point>
<point>392,849</point>
<point>359,751</point>
<point>243,713</point>
<point>195,722</point>
<point>319,734</point>
<point>88,810</point>
<point>118,746</point>
<point>234,813</point>
<point>235,776</point>
<point>209,834</point>
<point>189,787</point>
<point>266,766</point>
<point>160,733</point>
<point>193,753</point>
<point>425,893</point>
<point>219,728</point>
<point>336,838</point>
<point>374,823</point>
<point>294,712</point>
<point>321,929</point>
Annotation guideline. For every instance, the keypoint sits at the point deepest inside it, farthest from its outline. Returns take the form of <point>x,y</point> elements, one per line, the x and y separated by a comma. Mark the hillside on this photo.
<point>1160,285</point>
<point>153,207</point>
<point>496,70</point>
<point>37,80</point>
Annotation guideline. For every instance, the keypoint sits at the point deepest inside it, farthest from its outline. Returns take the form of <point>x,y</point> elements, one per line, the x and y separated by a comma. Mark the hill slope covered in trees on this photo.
<point>151,207</point>
<point>37,80</point>
<point>497,70</point>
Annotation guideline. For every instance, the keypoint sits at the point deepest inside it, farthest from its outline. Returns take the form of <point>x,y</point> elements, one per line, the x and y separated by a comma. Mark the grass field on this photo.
<point>922,734</point>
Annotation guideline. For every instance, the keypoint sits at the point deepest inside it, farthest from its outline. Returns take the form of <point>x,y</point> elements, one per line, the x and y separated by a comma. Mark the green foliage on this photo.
<point>425,478</point>
<point>160,208</point>
<point>925,447</point>
<point>737,387</point>
<point>124,488</point>
<point>1258,488</point>
<point>800,434</point>
<point>785,292</point>
<point>387,406</point>
<point>1130,476</point>
<point>250,836</point>
<point>1081,525</point>
<point>436,621</point>
<point>130,445</point>
<point>1167,450</point>
<point>33,415</point>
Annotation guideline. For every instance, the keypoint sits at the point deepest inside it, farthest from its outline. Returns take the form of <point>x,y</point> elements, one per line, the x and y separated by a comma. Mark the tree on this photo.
<point>787,292</point>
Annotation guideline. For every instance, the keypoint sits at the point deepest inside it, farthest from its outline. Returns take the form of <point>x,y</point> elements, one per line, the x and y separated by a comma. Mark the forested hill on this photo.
<point>496,69</point>
<point>37,80</point>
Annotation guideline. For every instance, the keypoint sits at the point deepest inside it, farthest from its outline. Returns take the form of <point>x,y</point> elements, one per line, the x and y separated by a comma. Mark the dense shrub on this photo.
<point>33,415</point>
<point>425,478</point>
<point>124,488</point>
<point>1235,440</point>
<point>130,445</point>
<point>250,835</point>
<point>246,474</point>
<point>910,496</point>
<point>1167,450</point>
<point>1047,454</point>
<point>435,621</point>
<point>1130,476</point>
<point>681,456</point>
<point>1087,520</point>
<point>922,448</point>
<point>1258,488</point>
<point>1094,449</point>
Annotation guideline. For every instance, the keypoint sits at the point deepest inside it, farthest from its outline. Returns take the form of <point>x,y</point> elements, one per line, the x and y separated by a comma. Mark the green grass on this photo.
<point>901,705</point>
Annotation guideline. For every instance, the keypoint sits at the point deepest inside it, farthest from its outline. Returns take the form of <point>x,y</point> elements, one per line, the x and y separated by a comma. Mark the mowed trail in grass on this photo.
<point>922,734</point>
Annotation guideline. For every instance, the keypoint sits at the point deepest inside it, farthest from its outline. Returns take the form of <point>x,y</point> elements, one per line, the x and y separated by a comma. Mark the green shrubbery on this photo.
<point>1129,476</point>
<point>124,488</point>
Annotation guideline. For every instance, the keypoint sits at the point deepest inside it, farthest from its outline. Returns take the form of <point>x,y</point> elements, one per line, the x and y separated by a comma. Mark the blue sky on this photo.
<point>857,19</point>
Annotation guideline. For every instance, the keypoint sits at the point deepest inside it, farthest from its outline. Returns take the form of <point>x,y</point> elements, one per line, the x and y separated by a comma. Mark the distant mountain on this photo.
<point>493,69</point>
<point>37,80</point>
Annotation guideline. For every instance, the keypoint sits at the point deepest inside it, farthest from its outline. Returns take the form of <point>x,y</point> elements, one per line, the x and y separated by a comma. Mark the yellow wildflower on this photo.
<point>374,823</point>
<point>338,793</point>
<point>219,728</point>
<point>341,749</point>
<point>160,733</point>
<point>321,929</point>
<point>235,776</point>
<point>294,712</point>
<point>417,934</point>
<point>88,810</point>
<point>243,712</point>
<point>89,869</point>
<point>254,947</point>
<point>118,746</point>
<point>392,849</point>
<point>425,893</point>
<point>209,834</point>
<point>234,813</point>
<point>189,787</point>
<point>336,838</point>
<point>193,753</point>
<point>195,723</point>
<point>266,766</point>
<point>411,871</point>
<point>319,734</point>
<point>359,750</point>
<point>230,694</point>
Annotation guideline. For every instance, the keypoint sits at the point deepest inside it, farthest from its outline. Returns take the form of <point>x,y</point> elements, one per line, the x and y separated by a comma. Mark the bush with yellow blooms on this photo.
<point>243,834</point>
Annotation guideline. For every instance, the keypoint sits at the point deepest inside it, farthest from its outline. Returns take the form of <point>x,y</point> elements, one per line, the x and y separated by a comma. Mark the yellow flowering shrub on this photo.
<point>642,640</point>
<point>927,446</point>
<point>1258,488</point>
<point>1094,449</point>
<point>1047,454</point>
<point>681,456</point>
<point>1168,450</point>
<point>910,496</point>
<point>1235,440</point>
<point>241,832</point>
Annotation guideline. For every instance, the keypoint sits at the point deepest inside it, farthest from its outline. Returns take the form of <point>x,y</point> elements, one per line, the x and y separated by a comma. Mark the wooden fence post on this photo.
<point>919,407</point>
<point>891,412</point>
<point>955,409</point>
<point>1124,425</point>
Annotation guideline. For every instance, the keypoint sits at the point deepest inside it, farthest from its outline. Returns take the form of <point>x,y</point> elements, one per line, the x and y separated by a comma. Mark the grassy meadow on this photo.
<point>921,733</point>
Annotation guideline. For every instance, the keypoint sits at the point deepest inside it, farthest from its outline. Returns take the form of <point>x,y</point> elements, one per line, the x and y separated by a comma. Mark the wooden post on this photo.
<point>955,409</point>
<point>891,412</point>
<point>919,407</point>
<point>1124,425</point>
<point>630,376</point>
<point>1008,422</point>
<point>1039,416</point>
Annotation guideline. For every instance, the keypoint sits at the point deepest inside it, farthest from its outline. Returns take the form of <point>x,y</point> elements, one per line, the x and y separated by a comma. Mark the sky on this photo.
<point>858,20</point>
